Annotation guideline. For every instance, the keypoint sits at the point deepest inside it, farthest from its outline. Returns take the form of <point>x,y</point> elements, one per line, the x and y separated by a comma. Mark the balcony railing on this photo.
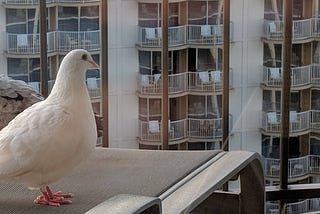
<point>205,34</point>
<point>36,2</point>
<point>305,206</point>
<point>183,129</point>
<point>151,130</point>
<point>205,81</point>
<point>152,85</point>
<point>304,76</point>
<point>149,37</point>
<point>57,41</point>
<point>93,85</point>
<point>205,128</point>
<point>297,167</point>
<point>301,29</point>
<point>299,121</point>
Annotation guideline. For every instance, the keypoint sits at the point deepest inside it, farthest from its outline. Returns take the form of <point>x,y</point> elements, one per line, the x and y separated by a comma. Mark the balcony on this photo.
<point>57,41</point>
<point>300,122</point>
<point>93,84</point>
<point>94,87</point>
<point>297,167</point>
<point>68,40</point>
<point>182,130</point>
<point>149,37</point>
<point>205,128</point>
<point>302,29</point>
<point>305,206</point>
<point>205,34</point>
<point>301,77</point>
<point>36,2</point>
<point>152,85</point>
<point>150,130</point>
<point>205,81</point>
<point>182,83</point>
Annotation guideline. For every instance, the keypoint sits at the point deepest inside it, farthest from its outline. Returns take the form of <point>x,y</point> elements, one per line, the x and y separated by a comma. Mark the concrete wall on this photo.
<point>3,61</point>
<point>123,71</point>
<point>246,58</point>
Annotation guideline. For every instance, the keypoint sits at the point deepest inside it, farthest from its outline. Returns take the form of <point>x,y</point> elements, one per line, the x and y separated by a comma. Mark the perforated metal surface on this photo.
<point>107,173</point>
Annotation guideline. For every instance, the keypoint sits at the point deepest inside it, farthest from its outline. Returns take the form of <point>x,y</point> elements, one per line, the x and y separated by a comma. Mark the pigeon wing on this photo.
<point>34,136</point>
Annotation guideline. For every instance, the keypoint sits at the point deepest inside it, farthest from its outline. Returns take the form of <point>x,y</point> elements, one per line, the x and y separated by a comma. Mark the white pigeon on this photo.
<point>48,139</point>
<point>15,96</point>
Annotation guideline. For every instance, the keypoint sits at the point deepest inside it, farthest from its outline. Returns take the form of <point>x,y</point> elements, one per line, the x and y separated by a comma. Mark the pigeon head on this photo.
<point>79,60</point>
<point>71,74</point>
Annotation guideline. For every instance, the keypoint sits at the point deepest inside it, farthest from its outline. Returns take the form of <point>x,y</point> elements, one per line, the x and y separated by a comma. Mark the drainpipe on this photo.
<point>43,49</point>
<point>285,96</point>
<point>104,73</point>
<point>225,75</point>
<point>164,76</point>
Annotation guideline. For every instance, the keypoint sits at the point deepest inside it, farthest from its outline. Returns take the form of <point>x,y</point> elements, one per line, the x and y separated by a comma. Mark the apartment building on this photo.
<point>195,72</point>
<point>70,25</point>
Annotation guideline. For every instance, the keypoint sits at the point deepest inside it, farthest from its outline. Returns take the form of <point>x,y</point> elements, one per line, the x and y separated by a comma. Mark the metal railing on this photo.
<point>308,75</point>
<point>205,81</point>
<point>182,129</point>
<point>297,167</point>
<point>93,85</point>
<point>305,206</point>
<point>151,130</point>
<point>36,2</point>
<point>299,121</point>
<point>57,41</point>
<point>301,29</point>
<point>150,37</point>
<point>205,128</point>
<point>205,34</point>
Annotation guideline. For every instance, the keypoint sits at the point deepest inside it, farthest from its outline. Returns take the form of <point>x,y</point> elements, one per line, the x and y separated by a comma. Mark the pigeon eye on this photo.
<point>84,57</point>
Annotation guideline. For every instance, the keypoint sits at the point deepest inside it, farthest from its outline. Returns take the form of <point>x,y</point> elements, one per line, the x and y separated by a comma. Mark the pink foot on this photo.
<point>53,199</point>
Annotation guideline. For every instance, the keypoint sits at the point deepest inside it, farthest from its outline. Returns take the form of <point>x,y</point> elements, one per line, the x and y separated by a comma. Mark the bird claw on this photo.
<point>53,199</point>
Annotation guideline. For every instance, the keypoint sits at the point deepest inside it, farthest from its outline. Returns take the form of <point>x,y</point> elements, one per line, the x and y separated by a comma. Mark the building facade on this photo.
<point>195,72</point>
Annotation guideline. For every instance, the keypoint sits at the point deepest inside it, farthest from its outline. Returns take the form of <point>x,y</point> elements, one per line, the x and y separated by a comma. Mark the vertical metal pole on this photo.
<point>104,72</point>
<point>43,49</point>
<point>164,76</point>
<point>225,75</point>
<point>285,98</point>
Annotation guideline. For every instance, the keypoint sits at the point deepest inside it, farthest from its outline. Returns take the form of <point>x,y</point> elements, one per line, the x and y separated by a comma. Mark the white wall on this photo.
<point>3,61</point>
<point>246,58</point>
<point>123,70</point>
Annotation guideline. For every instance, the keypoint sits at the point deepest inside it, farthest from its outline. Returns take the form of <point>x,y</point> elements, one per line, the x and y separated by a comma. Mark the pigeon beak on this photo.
<point>95,65</point>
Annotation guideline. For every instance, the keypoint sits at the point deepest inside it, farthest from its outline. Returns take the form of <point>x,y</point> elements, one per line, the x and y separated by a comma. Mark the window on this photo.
<point>18,69</point>
<point>173,14</point>
<point>149,14</point>
<point>93,72</point>
<point>272,102</point>
<point>206,60</point>
<point>25,69</point>
<point>21,21</point>
<point>204,13</point>
<point>89,18</point>
<point>78,18</point>
<point>316,52</point>
<point>68,18</point>
<point>315,100</point>
<point>314,145</point>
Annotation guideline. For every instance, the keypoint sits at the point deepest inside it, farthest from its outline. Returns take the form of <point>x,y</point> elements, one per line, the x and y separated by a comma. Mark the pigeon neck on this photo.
<point>69,85</point>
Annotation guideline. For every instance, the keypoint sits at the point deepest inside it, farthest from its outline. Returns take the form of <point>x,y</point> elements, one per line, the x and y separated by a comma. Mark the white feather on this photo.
<point>47,140</point>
